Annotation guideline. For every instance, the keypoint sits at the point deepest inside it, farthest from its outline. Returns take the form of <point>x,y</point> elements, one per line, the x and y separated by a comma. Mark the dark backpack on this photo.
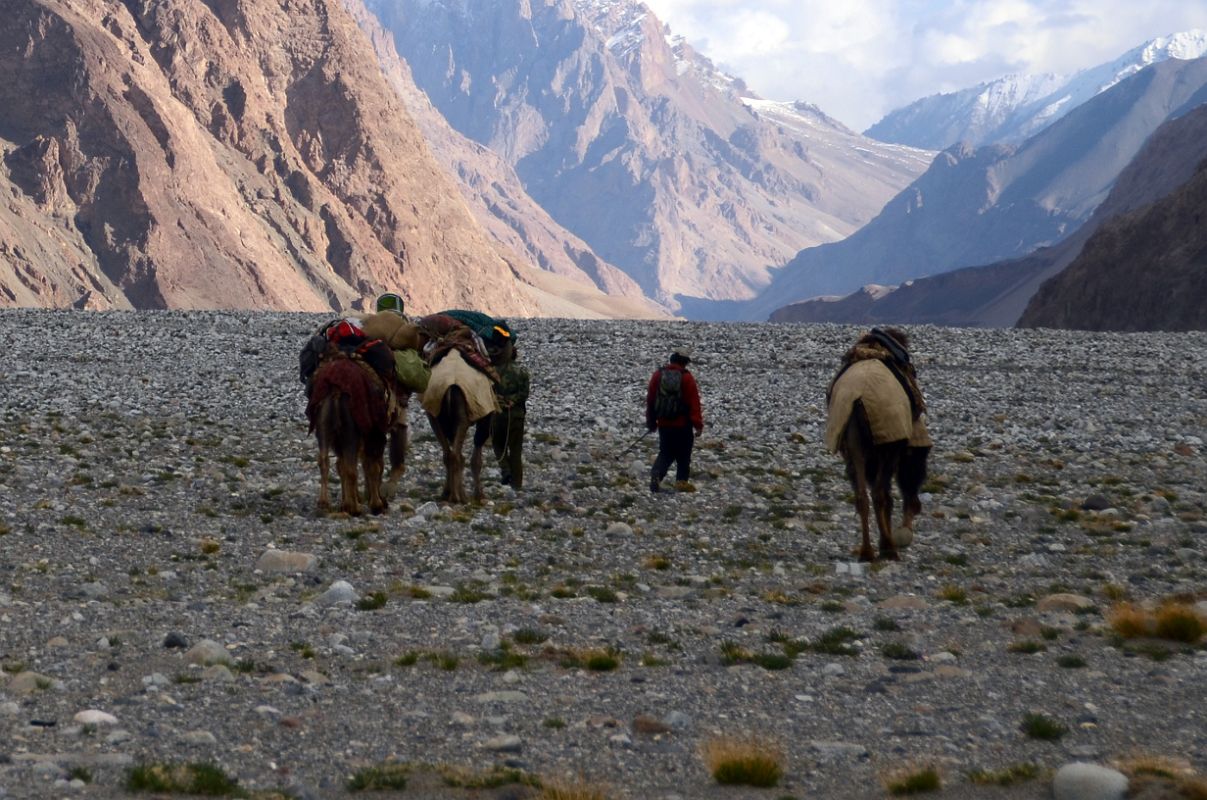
<point>668,402</point>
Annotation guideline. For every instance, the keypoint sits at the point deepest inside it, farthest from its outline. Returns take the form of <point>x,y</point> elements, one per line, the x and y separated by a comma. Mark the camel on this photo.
<point>875,421</point>
<point>350,412</point>
<point>458,397</point>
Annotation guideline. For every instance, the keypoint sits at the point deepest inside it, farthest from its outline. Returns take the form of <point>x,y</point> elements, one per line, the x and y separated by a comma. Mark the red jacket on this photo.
<point>691,396</point>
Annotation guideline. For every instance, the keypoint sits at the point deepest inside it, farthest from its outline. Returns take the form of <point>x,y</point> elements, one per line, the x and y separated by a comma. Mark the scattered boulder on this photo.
<point>1083,781</point>
<point>1064,603</point>
<point>207,652</point>
<point>285,561</point>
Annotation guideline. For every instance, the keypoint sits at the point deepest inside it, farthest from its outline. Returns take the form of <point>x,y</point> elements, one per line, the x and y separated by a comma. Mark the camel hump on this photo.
<point>886,403</point>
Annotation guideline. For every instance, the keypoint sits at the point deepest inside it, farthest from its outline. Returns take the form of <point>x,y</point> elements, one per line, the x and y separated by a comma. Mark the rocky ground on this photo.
<point>163,570</point>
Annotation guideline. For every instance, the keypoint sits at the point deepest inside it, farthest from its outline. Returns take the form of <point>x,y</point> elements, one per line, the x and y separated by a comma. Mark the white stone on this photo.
<point>339,593</point>
<point>92,716</point>
<point>207,652</point>
<point>1082,781</point>
<point>285,561</point>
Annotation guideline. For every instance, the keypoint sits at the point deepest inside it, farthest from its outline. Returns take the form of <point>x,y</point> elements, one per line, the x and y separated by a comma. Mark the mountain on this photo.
<point>662,164</point>
<point>497,199</point>
<point>1140,263</point>
<point>238,154</point>
<point>1145,270</point>
<point>999,202</point>
<point>1013,108</point>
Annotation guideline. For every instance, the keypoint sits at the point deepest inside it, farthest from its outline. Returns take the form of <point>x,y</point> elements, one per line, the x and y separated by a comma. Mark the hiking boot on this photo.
<point>655,485</point>
<point>684,486</point>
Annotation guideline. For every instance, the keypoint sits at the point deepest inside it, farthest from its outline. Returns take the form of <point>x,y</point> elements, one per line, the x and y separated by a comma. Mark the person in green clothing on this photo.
<point>507,426</point>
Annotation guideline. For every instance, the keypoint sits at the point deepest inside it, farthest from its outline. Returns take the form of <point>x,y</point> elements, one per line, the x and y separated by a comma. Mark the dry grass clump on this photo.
<point>1007,776</point>
<point>1179,622</point>
<point>380,777</point>
<point>1129,620</point>
<point>745,761</point>
<point>577,789</point>
<point>913,780</point>
<point>1176,775</point>
<point>175,778</point>
<point>1173,620</point>
<point>496,776</point>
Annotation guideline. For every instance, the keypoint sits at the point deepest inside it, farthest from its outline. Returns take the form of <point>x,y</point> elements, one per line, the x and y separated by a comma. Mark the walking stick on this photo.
<point>636,442</point>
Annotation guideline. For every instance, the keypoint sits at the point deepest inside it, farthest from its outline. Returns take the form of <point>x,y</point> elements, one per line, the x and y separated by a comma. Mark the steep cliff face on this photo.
<point>232,153</point>
<point>638,145</point>
<point>976,207</point>
<point>494,192</point>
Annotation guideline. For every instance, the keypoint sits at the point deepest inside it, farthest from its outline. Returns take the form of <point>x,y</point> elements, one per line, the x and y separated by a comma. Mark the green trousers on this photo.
<point>507,439</point>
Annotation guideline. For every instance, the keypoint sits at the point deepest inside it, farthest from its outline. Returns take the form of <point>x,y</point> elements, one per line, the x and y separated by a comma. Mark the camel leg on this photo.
<point>398,458</point>
<point>455,461</point>
<point>911,474</point>
<point>373,462</point>
<point>345,463</point>
<point>327,413</point>
<point>887,459</point>
<point>857,449</point>
<point>859,485</point>
<point>446,449</point>
<point>481,436</point>
<point>324,469</point>
<point>882,502</point>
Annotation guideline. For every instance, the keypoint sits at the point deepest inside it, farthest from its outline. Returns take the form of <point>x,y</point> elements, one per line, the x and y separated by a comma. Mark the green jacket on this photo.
<point>512,389</point>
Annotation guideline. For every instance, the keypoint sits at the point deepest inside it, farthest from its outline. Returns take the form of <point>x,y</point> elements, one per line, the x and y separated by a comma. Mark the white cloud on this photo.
<point>859,59</point>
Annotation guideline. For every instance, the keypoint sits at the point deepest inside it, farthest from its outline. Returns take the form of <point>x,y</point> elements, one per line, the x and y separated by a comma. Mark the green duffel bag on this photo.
<point>413,373</point>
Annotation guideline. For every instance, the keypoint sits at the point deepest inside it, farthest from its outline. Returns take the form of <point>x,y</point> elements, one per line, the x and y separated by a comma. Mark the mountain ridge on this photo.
<point>1000,201</point>
<point>610,126</point>
<point>1014,107</point>
<point>1044,288</point>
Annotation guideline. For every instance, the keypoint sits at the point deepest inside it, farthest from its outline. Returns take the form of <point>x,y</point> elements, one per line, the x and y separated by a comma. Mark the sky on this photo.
<point>859,59</point>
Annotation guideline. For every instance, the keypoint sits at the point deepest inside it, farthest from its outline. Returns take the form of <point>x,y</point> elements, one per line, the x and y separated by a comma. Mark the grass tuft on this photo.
<point>493,778</point>
<point>914,781</point>
<point>1173,620</point>
<point>1008,776</point>
<point>1179,623</point>
<point>194,778</point>
<point>577,789</point>
<point>899,651</point>
<point>747,761</point>
<point>1043,727</point>
<point>379,778</point>
<point>372,601</point>
<point>1026,646</point>
<point>1129,620</point>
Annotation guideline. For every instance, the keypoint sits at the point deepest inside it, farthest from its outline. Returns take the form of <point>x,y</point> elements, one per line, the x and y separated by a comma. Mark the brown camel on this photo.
<point>875,422</point>
<point>349,412</point>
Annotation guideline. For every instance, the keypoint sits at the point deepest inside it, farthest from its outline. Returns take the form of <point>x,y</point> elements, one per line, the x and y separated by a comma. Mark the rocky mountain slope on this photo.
<point>497,198</point>
<point>165,575</point>
<point>1143,271</point>
<point>999,202</point>
<point>1147,273</point>
<point>1013,108</point>
<point>638,145</point>
<point>242,154</point>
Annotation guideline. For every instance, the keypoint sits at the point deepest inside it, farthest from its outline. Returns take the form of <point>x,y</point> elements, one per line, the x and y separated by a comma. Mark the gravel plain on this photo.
<point>163,569</point>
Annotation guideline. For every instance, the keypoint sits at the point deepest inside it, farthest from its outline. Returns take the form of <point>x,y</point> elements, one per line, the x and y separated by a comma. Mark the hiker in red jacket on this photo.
<point>672,405</point>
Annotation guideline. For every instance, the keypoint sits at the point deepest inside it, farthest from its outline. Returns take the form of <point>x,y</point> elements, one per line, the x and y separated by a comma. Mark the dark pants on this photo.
<point>507,439</point>
<point>674,444</point>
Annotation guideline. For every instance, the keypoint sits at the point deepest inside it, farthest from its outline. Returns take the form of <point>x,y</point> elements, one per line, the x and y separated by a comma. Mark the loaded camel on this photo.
<point>460,393</point>
<point>875,421</point>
